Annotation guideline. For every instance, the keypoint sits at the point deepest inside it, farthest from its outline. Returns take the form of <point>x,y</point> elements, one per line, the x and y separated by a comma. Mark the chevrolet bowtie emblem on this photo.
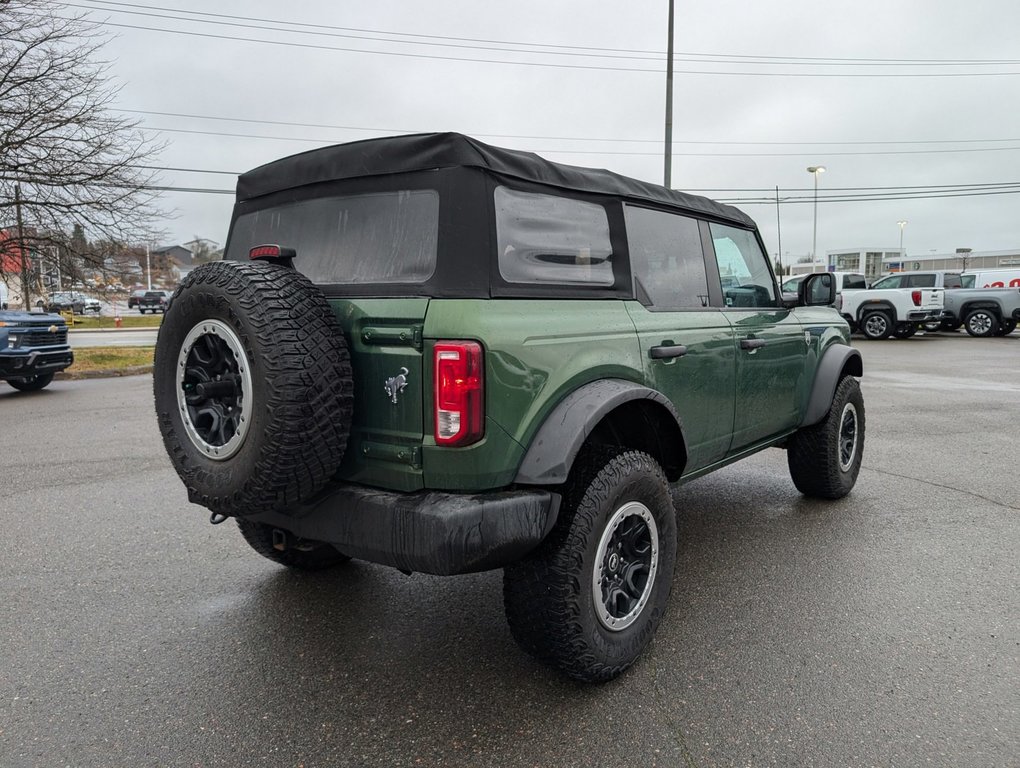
<point>53,329</point>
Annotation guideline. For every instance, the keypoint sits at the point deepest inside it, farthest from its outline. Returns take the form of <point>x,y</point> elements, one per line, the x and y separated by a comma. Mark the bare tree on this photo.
<point>66,158</point>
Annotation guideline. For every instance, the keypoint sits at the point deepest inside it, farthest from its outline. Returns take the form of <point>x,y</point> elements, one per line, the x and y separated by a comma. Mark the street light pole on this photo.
<point>814,170</point>
<point>903,256</point>
<point>668,160</point>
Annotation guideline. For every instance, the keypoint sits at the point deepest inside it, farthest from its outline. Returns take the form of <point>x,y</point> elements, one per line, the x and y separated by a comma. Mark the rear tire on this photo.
<point>981,323</point>
<point>825,458</point>
<point>589,599</point>
<point>31,383</point>
<point>876,326</point>
<point>299,555</point>
<point>1006,327</point>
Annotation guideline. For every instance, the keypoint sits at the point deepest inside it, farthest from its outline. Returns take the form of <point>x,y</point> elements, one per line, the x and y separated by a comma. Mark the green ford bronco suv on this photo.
<point>446,357</point>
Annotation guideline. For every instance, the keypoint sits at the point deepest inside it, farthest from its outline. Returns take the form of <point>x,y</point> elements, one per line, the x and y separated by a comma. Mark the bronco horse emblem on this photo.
<point>395,385</point>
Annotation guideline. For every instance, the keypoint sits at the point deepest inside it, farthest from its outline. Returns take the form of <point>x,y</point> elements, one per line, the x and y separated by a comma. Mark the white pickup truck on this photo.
<point>879,313</point>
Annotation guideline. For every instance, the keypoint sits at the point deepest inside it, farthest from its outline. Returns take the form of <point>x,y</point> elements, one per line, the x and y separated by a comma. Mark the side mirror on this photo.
<point>817,290</point>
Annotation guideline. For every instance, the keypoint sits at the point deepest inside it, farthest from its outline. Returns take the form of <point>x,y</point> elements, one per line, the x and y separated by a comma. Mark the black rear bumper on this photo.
<point>429,531</point>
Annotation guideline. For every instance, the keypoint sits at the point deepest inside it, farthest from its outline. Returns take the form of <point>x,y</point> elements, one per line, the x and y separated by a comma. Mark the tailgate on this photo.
<point>932,298</point>
<point>385,341</point>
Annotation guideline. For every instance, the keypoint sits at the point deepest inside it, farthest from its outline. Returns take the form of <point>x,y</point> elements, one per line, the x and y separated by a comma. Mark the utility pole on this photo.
<point>26,291</point>
<point>668,171</point>
<point>148,269</point>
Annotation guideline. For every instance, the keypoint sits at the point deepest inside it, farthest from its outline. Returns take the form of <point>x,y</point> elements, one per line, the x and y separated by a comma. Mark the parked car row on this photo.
<point>71,301</point>
<point>900,304</point>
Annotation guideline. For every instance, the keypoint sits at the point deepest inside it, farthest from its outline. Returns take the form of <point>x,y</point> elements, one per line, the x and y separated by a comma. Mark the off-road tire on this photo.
<point>31,383</point>
<point>981,323</point>
<point>299,555</point>
<point>1006,327</point>
<point>549,597</point>
<point>905,330</point>
<point>291,353</point>
<point>876,325</point>
<point>814,453</point>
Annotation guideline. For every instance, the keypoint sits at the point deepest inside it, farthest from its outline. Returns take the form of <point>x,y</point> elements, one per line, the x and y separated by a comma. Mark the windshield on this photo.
<point>387,237</point>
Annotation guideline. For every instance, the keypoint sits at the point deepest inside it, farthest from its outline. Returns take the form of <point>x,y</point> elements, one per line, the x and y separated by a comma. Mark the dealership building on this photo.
<point>875,262</point>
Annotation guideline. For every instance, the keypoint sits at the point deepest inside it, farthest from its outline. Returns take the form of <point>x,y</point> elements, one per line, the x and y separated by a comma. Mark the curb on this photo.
<point>106,373</point>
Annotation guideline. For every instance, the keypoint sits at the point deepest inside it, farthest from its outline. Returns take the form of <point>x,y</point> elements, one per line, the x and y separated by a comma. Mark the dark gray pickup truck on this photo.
<point>33,347</point>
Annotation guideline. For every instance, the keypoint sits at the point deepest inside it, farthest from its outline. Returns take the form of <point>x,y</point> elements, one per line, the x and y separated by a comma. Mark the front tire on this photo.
<point>825,458</point>
<point>981,323</point>
<point>876,326</point>
<point>31,383</point>
<point>589,600</point>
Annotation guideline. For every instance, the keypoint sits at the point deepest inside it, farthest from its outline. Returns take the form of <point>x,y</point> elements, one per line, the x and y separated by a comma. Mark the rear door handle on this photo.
<point>667,352</point>
<point>752,344</point>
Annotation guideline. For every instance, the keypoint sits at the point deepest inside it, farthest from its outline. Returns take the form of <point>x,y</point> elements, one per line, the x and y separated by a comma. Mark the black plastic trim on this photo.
<point>559,439</point>
<point>835,360</point>
<point>428,531</point>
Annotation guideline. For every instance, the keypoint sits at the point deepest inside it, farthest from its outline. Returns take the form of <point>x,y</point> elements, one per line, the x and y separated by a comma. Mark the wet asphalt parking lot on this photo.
<point>881,630</point>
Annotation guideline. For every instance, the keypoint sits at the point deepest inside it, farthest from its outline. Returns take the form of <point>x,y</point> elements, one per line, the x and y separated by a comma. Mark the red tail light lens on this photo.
<point>915,296</point>
<point>459,413</point>
<point>271,251</point>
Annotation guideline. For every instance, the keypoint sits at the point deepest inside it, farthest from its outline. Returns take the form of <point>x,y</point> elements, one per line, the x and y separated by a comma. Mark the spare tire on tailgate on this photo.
<point>253,388</point>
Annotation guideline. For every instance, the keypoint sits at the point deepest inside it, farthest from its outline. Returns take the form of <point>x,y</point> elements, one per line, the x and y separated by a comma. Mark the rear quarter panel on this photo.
<point>536,353</point>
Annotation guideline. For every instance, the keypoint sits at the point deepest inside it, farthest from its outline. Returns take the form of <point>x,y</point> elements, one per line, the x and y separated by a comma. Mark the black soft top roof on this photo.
<point>425,151</point>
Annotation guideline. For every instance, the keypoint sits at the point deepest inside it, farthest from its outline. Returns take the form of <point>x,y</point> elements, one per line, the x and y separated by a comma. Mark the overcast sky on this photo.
<point>743,123</point>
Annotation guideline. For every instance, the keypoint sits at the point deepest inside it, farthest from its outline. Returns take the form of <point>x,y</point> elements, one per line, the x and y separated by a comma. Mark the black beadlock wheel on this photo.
<point>589,600</point>
<point>31,383</point>
<point>825,458</point>
<point>253,387</point>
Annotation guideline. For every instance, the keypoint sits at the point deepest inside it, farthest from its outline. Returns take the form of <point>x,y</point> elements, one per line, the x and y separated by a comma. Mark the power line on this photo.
<point>325,142</point>
<point>879,197</point>
<point>831,193</point>
<point>97,4</point>
<point>404,54</point>
<point>566,138</point>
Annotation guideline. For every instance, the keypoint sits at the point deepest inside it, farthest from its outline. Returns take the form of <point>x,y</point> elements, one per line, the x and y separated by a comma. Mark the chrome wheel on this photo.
<point>847,436</point>
<point>626,560</point>
<point>214,389</point>
<point>981,324</point>
<point>876,325</point>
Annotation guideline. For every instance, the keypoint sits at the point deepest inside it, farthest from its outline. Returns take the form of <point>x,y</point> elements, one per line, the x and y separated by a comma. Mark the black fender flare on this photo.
<point>556,444</point>
<point>838,360</point>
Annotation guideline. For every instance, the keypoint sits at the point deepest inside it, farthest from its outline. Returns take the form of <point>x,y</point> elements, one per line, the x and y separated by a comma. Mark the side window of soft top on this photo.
<point>547,239</point>
<point>666,258</point>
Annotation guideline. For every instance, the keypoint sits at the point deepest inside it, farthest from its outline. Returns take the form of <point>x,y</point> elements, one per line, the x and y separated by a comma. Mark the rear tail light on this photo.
<point>459,415</point>
<point>915,296</point>
<point>839,301</point>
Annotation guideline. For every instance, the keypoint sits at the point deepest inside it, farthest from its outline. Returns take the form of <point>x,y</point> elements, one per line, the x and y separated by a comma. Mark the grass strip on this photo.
<point>109,361</point>
<point>94,322</point>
